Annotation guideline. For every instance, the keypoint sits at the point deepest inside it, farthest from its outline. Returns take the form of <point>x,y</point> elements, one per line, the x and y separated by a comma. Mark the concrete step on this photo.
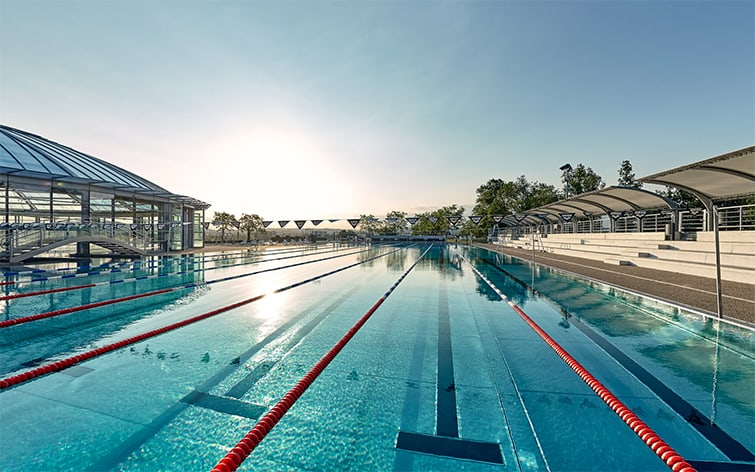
<point>616,261</point>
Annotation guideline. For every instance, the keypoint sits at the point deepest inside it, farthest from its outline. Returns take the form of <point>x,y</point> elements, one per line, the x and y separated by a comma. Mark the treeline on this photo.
<point>495,197</point>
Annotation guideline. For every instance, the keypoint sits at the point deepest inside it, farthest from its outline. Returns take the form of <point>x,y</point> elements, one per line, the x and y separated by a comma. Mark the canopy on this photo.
<point>597,202</point>
<point>724,177</point>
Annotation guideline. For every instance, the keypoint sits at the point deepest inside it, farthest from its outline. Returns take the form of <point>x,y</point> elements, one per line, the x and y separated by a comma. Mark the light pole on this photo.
<point>566,168</point>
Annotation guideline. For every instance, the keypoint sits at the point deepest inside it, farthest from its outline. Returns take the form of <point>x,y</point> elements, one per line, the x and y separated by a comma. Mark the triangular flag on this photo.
<point>567,217</point>
<point>333,221</point>
<point>316,222</point>
<point>133,226</point>
<point>283,223</point>
<point>475,219</point>
<point>412,219</point>
<point>454,220</point>
<point>497,218</point>
<point>300,223</point>
<point>353,222</point>
<point>266,223</point>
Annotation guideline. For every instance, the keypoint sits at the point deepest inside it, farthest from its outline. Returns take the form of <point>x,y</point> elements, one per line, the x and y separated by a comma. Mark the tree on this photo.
<point>369,224</point>
<point>225,221</point>
<point>251,224</point>
<point>626,176</point>
<point>395,223</point>
<point>581,180</point>
<point>436,222</point>
<point>497,197</point>
<point>682,198</point>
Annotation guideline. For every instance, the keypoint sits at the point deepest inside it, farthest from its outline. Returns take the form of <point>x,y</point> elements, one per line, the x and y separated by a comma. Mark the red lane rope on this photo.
<point>45,292</point>
<point>665,452</point>
<point>135,279</point>
<point>65,311</point>
<point>71,361</point>
<point>244,448</point>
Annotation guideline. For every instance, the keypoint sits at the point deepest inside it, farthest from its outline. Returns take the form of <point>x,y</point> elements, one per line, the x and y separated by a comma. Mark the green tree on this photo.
<point>225,222</point>
<point>682,198</point>
<point>251,224</point>
<point>581,180</point>
<point>436,222</point>
<point>369,224</point>
<point>497,197</point>
<point>395,223</point>
<point>626,176</point>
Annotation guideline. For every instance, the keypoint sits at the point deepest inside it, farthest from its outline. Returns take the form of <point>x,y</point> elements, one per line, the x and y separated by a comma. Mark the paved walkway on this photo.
<point>692,291</point>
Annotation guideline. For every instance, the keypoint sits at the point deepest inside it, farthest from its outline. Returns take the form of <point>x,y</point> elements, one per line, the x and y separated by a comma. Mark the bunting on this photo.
<point>133,226</point>
<point>587,213</point>
<point>353,222</point>
<point>615,215</point>
<point>299,223</point>
<point>454,220</point>
<point>206,225</point>
<point>497,218</point>
<point>475,219</point>
<point>148,226</point>
<point>266,223</point>
<point>433,219</point>
<point>566,217</point>
<point>283,223</point>
<point>391,220</point>
<point>316,222</point>
<point>695,211</point>
<point>640,213</point>
<point>412,219</point>
<point>519,217</point>
<point>160,226</point>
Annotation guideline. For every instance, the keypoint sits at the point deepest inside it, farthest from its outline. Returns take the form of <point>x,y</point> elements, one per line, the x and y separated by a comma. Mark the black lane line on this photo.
<point>229,406</point>
<point>732,448</point>
<point>446,442</point>
<point>446,418</point>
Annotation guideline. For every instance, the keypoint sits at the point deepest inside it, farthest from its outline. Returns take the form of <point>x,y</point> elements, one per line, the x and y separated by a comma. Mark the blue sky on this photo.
<point>313,109</point>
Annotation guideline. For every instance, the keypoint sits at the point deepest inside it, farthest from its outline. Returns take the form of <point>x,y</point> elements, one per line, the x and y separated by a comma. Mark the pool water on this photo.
<point>444,375</point>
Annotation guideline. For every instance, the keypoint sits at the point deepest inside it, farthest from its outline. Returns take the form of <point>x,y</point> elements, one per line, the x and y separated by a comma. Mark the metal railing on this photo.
<point>734,218</point>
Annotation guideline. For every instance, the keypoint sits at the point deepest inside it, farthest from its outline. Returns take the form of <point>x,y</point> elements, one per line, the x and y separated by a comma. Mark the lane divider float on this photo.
<point>133,279</point>
<point>71,361</point>
<point>660,447</point>
<point>65,311</point>
<point>244,448</point>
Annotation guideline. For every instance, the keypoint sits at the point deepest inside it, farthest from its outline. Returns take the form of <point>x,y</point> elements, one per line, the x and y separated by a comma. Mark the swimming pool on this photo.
<point>442,357</point>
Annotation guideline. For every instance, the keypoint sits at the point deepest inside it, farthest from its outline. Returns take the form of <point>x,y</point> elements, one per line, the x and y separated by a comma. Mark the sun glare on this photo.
<point>284,171</point>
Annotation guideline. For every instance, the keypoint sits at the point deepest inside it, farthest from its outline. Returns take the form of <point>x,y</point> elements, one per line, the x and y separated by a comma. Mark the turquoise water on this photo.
<point>180,401</point>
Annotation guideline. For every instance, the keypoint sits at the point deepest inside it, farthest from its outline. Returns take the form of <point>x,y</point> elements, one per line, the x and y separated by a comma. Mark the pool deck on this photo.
<point>688,290</point>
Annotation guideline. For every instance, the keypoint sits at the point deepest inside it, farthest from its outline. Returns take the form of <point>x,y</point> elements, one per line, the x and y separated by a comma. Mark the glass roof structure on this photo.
<point>24,154</point>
